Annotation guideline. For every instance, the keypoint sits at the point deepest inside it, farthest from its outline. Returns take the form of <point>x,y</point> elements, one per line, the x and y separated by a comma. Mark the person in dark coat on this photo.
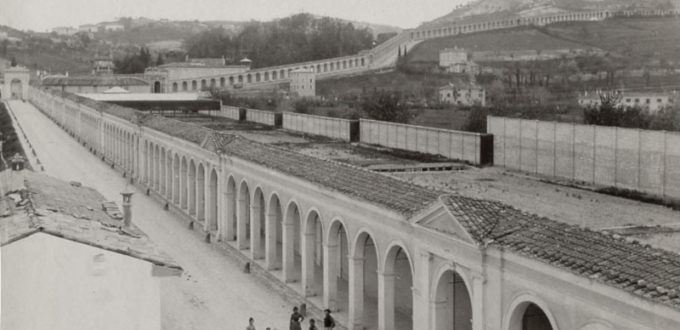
<point>312,325</point>
<point>296,320</point>
<point>328,321</point>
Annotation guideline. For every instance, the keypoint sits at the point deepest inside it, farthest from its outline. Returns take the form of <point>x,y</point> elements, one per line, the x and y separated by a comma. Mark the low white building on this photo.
<point>455,60</point>
<point>65,30</point>
<point>303,83</point>
<point>462,94</point>
<point>69,262</point>
<point>650,101</point>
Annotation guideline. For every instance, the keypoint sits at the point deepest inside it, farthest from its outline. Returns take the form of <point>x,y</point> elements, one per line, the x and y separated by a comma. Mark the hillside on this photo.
<point>639,42</point>
<point>481,10</point>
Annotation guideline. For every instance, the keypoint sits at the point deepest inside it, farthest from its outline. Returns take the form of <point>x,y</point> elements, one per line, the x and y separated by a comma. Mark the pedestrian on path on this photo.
<point>312,325</point>
<point>296,319</point>
<point>328,320</point>
<point>251,324</point>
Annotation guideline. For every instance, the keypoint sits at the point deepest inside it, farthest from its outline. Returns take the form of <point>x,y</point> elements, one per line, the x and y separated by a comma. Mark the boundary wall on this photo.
<point>636,159</point>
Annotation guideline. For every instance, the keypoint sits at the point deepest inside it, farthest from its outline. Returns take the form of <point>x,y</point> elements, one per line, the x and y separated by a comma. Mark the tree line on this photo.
<point>297,38</point>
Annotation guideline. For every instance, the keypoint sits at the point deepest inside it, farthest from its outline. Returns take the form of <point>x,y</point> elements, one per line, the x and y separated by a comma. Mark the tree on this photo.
<point>386,106</point>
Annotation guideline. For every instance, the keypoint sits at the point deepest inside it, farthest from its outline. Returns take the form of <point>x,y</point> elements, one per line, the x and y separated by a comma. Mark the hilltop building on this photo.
<point>70,259</point>
<point>65,30</point>
<point>303,83</point>
<point>462,94</point>
<point>88,28</point>
<point>456,60</point>
<point>650,101</point>
<point>112,27</point>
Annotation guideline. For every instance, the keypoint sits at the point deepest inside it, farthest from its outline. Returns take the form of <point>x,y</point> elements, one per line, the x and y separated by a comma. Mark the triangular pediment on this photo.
<point>438,218</point>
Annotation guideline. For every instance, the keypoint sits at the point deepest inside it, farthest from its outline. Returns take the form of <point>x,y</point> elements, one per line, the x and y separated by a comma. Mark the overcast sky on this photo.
<point>42,15</point>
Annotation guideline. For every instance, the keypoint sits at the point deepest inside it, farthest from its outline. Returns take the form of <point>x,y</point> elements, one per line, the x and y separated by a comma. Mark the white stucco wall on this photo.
<point>54,283</point>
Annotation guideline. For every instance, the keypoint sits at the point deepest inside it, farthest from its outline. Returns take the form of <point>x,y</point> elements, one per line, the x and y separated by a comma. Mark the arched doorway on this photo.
<point>336,268</point>
<point>452,306</point>
<point>292,260</point>
<point>363,284</point>
<point>312,255</point>
<point>243,220</point>
<point>157,87</point>
<point>212,202</point>
<point>529,315</point>
<point>192,188</point>
<point>258,226</point>
<point>230,225</point>
<point>274,230</point>
<point>16,89</point>
<point>397,296</point>
<point>200,193</point>
<point>184,183</point>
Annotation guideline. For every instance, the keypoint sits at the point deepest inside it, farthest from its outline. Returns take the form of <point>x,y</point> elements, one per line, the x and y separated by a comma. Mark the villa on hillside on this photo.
<point>650,101</point>
<point>462,94</point>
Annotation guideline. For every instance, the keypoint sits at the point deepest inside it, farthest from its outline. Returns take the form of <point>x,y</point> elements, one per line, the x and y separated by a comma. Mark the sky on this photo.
<point>43,15</point>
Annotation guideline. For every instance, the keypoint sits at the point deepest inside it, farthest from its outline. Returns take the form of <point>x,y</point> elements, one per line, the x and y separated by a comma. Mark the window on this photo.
<point>637,100</point>
<point>647,101</point>
<point>627,100</point>
<point>658,100</point>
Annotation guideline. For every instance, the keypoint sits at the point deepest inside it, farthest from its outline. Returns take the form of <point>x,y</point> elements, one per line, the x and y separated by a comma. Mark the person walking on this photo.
<point>328,320</point>
<point>296,319</point>
<point>251,324</point>
<point>312,324</point>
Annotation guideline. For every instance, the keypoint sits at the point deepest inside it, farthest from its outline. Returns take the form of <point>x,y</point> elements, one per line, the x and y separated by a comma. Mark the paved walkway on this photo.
<point>213,293</point>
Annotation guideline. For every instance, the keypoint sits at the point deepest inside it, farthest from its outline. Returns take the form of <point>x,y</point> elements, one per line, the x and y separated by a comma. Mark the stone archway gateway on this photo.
<point>16,83</point>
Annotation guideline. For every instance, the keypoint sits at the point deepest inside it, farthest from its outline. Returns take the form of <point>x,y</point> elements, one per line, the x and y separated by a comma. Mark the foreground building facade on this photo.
<point>381,252</point>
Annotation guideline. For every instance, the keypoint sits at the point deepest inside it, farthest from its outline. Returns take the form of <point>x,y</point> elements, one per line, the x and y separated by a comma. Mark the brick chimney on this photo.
<point>127,207</point>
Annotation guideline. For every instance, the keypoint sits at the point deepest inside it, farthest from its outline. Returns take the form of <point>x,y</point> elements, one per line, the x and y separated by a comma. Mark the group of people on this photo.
<point>296,321</point>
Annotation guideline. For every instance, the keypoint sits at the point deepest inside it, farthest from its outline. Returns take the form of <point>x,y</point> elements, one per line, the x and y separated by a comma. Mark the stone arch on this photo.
<point>157,87</point>
<point>168,175</point>
<point>274,233</point>
<point>175,87</point>
<point>204,84</point>
<point>312,253</point>
<point>185,86</point>
<point>184,183</point>
<point>397,280</point>
<point>222,82</point>
<point>230,214</point>
<point>336,274</point>
<point>243,216</point>
<point>194,85</point>
<point>192,187</point>
<point>175,179</point>
<point>363,281</point>
<point>163,168</point>
<point>451,300</point>
<point>516,317</point>
<point>211,206</point>
<point>258,225</point>
<point>249,78</point>
<point>292,262</point>
<point>212,83</point>
<point>200,192</point>
<point>231,81</point>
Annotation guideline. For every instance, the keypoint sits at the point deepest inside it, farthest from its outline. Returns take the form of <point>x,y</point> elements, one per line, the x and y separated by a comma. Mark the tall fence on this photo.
<point>472,147</point>
<point>642,160</point>
<point>264,117</point>
<point>336,128</point>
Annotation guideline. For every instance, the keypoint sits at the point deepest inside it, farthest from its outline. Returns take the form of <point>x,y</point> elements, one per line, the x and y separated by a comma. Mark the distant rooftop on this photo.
<point>33,202</point>
<point>113,80</point>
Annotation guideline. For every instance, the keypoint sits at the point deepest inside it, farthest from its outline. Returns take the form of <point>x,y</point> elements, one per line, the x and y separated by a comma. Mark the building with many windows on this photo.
<point>650,101</point>
<point>303,83</point>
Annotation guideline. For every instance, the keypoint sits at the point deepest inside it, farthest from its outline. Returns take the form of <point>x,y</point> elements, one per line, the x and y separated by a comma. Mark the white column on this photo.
<point>356,292</point>
<point>308,264</point>
<point>330,277</point>
<point>478,302</point>
<point>255,229</point>
<point>385,301</point>
<point>270,241</point>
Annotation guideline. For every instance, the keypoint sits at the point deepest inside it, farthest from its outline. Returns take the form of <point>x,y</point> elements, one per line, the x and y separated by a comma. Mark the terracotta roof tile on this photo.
<point>73,212</point>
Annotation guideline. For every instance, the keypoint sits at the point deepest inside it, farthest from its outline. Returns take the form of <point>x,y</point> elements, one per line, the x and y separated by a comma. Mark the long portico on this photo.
<point>381,252</point>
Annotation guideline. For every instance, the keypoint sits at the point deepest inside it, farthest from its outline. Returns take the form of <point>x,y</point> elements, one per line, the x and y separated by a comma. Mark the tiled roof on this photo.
<point>94,81</point>
<point>48,205</point>
<point>647,272</point>
<point>389,192</point>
